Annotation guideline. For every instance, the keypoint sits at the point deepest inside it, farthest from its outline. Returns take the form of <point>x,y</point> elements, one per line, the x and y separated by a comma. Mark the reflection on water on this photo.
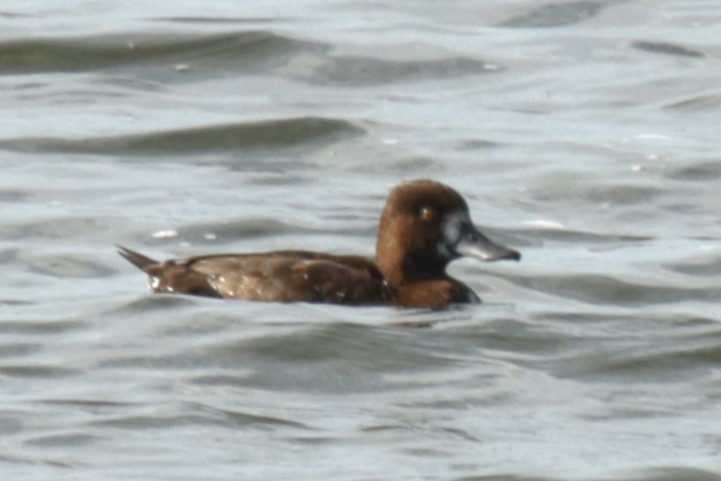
<point>582,133</point>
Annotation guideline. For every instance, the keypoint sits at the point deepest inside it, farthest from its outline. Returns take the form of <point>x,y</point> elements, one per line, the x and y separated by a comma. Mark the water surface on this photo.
<point>584,134</point>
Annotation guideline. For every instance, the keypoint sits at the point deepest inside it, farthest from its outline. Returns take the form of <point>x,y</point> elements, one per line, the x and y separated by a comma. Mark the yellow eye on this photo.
<point>427,214</point>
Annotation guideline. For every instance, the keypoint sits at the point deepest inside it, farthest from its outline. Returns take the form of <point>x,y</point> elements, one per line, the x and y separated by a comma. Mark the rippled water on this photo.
<point>584,133</point>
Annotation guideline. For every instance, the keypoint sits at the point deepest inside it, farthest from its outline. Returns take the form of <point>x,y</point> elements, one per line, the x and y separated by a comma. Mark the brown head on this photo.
<point>424,226</point>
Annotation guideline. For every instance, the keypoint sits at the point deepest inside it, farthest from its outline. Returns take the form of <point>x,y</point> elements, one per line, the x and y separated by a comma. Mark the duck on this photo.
<point>424,226</point>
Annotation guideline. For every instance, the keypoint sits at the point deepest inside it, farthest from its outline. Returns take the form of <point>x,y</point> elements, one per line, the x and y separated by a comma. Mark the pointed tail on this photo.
<point>138,260</point>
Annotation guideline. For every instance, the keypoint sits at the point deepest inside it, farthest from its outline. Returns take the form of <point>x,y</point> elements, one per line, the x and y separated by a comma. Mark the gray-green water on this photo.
<point>585,134</point>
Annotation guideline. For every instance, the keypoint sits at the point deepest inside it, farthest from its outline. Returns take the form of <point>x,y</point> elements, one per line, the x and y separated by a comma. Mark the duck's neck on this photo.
<point>400,268</point>
<point>420,267</point>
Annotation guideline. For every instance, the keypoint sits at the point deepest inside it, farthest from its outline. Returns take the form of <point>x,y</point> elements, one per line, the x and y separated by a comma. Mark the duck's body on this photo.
<point>424,226</point>
<point>280,276</point>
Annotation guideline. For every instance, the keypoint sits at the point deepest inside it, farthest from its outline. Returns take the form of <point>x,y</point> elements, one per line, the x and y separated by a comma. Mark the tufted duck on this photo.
<point>424,226</point>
